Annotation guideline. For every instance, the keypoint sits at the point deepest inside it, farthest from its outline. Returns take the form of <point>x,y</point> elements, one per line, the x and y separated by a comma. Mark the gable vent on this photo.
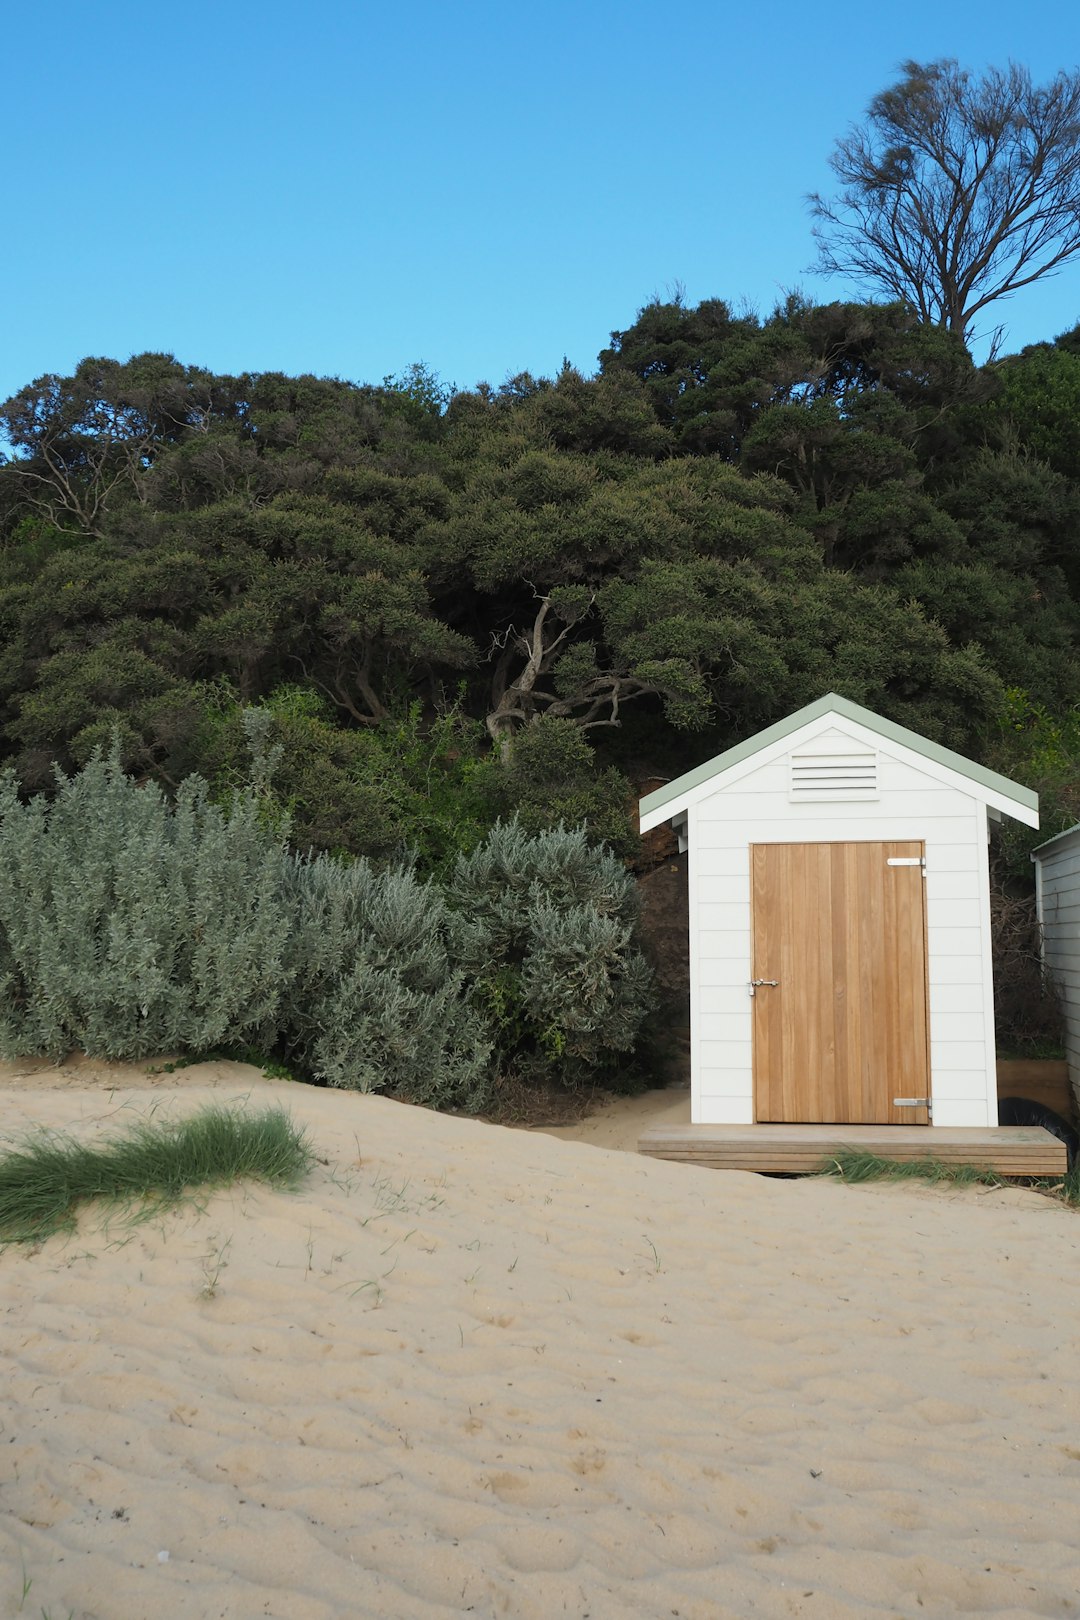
<point>833,776</point>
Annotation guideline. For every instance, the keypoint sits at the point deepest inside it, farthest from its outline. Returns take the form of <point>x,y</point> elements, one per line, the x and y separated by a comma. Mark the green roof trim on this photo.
<point>831,703</point>
<point>1058,838</point>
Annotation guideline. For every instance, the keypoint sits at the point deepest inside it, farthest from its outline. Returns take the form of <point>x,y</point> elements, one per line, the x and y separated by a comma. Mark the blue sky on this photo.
<point>345,188</point>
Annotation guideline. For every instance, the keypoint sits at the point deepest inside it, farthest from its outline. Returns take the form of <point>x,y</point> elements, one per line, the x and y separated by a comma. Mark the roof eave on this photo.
<point>989,786</point>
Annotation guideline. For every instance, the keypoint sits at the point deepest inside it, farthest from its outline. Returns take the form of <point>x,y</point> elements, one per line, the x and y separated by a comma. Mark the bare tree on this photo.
<point>956,191</point>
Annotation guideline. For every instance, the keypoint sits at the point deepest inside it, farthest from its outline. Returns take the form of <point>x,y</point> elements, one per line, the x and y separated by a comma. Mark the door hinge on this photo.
<point>914,1102</point>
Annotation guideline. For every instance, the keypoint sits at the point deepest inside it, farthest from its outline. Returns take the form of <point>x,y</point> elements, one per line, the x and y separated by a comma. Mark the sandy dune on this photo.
<point>470,1371</point>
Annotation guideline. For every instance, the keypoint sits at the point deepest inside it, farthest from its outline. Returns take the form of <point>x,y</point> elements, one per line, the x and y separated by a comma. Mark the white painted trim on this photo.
<point>693,852</point>
<point>988,980</point>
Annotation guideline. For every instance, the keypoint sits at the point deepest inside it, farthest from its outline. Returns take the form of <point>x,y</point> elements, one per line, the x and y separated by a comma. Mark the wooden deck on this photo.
<point>1010,1150</point>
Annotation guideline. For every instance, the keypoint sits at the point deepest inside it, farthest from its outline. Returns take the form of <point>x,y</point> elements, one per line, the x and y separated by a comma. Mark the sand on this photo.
<point>475,1371</point>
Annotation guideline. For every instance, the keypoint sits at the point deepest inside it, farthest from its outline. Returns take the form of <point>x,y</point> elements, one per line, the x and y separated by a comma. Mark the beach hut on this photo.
<point>840,964</point>
<point>1057,893</point>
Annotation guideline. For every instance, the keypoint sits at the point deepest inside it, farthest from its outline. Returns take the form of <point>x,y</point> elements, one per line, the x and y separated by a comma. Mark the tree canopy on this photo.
<point>458,605</point>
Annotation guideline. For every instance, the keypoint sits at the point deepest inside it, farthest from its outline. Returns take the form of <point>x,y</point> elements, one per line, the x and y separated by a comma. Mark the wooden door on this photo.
<point>844,1031</point>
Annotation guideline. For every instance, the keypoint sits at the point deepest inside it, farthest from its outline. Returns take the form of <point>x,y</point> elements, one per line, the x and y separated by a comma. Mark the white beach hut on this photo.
<point>840,965</point>
<point>1057,892</point>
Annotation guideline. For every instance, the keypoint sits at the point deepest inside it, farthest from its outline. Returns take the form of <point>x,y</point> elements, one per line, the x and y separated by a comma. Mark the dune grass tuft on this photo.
<point>850,1164</point>
<point>50,1174</point>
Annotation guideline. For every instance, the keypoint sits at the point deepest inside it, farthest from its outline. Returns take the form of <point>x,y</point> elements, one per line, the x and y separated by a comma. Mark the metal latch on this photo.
<point>755,982</point>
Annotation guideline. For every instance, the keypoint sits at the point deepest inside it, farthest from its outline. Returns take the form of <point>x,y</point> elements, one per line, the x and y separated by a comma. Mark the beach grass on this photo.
<point>853,1165</point>
<point>45,1178</point>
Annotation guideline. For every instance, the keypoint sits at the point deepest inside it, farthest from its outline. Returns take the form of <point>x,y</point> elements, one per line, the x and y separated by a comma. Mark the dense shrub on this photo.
<point>552,954</point>
<point>427,786</point>
<point>375,1001</point>
<point>129,926</point>
<point>552,777</point>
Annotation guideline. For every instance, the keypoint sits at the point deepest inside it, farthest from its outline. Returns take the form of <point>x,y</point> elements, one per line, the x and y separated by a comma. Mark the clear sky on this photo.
<point>347,186</point>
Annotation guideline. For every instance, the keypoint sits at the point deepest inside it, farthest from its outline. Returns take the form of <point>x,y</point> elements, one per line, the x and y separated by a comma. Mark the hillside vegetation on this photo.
<point>522,600</point>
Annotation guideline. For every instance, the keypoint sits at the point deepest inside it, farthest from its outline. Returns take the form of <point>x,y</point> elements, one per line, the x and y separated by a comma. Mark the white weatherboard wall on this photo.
<point>750,802</point>
<point>1057,885</point>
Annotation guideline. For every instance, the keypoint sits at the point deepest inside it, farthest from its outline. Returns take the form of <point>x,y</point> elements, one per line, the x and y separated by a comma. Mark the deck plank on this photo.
<point>1010,1150</point>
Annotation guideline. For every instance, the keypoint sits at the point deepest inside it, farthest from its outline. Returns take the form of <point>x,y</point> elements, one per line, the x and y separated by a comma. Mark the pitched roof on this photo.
<point>985,784</point>
<point>1059,843</point>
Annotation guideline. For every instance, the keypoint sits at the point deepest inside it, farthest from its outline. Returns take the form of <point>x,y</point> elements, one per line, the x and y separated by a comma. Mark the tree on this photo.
<point>1040,395</point>
<point>956,191</point>
<point>117,629</point>
<point>82,441</point>
<point>711,376</point>
<point>704,370</point>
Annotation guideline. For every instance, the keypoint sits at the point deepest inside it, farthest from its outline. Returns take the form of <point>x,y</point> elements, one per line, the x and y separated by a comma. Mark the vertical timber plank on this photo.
<point>765,1058</point>
<point>910,1076</point>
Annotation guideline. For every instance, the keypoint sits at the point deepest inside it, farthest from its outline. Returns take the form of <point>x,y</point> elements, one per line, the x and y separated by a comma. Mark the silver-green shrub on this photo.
<point>130,927</point>
<point>553,958</point>
<point>376,999</point>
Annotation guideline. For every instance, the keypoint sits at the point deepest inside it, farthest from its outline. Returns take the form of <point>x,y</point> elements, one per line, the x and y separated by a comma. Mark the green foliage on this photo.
<point>129,927</point>
<point>418,394</point>
<point>1040,395</point>
<point>712,375</point>
<point>552,955</point>
<point>429,788</point>
<point>85,440</point>
<point>30,542</point>
<point>738,514</point>
<point>705,371</point>
<point>1028,1015</point>
<point>551,779</point>
<point>320,783</point>
<point>1042,750</point>
<point>132,630</point>
<point>765,647</point>
<point>376,998</point>
<point>437,779</point>
<point>44,1180</point>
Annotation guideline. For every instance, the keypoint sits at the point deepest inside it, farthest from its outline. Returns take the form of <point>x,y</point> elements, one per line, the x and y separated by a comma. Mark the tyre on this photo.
<point>1022,1111</point>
